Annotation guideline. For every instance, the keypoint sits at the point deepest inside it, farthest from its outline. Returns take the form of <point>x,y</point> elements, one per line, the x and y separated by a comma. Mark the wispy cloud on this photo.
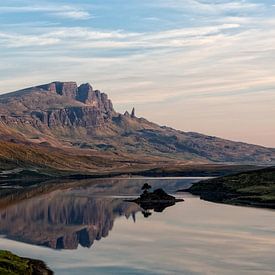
<point>64,11</point>
<point>209,6</point>
<point>182,57</point>
<point>74,14</point>
<point>17,40</point>
<point>89,38</point>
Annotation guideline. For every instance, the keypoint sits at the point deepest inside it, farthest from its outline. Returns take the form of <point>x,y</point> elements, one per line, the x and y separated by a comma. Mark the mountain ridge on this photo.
<point>66,116</point>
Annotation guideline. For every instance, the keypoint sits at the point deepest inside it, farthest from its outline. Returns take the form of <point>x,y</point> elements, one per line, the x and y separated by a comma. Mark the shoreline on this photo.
<point>251,189</point>
<point>199,170</point>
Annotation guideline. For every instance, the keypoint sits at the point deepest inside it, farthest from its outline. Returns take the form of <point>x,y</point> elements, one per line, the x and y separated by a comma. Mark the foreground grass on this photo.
<point>11,264</point>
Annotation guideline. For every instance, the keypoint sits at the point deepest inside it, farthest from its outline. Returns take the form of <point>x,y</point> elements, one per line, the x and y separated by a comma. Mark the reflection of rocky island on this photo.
<point>157,200</point>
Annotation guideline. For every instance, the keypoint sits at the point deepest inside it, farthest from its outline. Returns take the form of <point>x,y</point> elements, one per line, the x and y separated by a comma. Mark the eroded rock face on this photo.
<point>68,89</point>
<point>88,96</point>
<point>74,106</point>
<point>73,117</point>
<point>84,93</point>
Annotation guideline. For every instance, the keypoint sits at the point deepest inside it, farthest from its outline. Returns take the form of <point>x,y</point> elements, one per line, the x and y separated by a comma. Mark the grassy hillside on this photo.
<point>255,188</point>
<point>19,155</point>
<point>29,163</point>
<point>19,160</point>
<point>15,158</point>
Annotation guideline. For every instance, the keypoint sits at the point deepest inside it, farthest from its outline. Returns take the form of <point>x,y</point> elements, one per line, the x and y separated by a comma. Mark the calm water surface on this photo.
<point>86,227</point>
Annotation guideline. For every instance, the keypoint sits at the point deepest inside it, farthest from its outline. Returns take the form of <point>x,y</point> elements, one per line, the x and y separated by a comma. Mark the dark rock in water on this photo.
<point>156,206</point>
<point>157,200</point>
<point>159,195</point>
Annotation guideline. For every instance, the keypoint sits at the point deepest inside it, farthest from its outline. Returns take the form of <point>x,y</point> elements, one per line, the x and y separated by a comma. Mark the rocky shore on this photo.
<point>253,188</point>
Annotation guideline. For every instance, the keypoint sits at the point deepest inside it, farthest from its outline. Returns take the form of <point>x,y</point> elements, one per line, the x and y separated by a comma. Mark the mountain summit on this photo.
<point>66,116</point>
<point>58,104</point>
<point>84,93</point>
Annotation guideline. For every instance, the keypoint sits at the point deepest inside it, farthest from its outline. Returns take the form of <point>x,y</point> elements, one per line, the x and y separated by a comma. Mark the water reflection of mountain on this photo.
<point>59,221</point>
<point>68,214</point>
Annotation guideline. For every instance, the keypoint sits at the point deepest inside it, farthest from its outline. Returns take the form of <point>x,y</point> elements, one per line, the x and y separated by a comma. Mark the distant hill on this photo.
<point>62,119</point>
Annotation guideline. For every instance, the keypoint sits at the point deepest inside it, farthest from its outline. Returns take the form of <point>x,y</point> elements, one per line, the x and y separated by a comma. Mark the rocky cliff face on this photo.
<point>72,106</point>
<point>84,93</point>
<point>71,117</point>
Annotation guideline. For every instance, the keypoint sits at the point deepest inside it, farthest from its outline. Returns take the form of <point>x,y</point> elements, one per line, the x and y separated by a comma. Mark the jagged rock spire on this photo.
<point>133,113</point>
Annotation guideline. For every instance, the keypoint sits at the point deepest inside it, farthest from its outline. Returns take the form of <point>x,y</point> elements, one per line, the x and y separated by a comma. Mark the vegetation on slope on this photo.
<point>255,188</point>
<point>11,264</point>
<point>52,161</point>
<point>25,161</point>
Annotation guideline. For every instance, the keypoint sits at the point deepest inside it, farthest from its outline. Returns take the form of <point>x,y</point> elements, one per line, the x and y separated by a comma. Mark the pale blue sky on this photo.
<point>204,66</point>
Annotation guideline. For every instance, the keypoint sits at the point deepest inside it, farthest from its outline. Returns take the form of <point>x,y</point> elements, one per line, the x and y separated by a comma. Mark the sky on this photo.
<point>195,65</point>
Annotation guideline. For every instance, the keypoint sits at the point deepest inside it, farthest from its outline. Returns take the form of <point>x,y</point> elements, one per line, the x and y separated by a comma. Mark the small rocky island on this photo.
<point>157,200</point>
